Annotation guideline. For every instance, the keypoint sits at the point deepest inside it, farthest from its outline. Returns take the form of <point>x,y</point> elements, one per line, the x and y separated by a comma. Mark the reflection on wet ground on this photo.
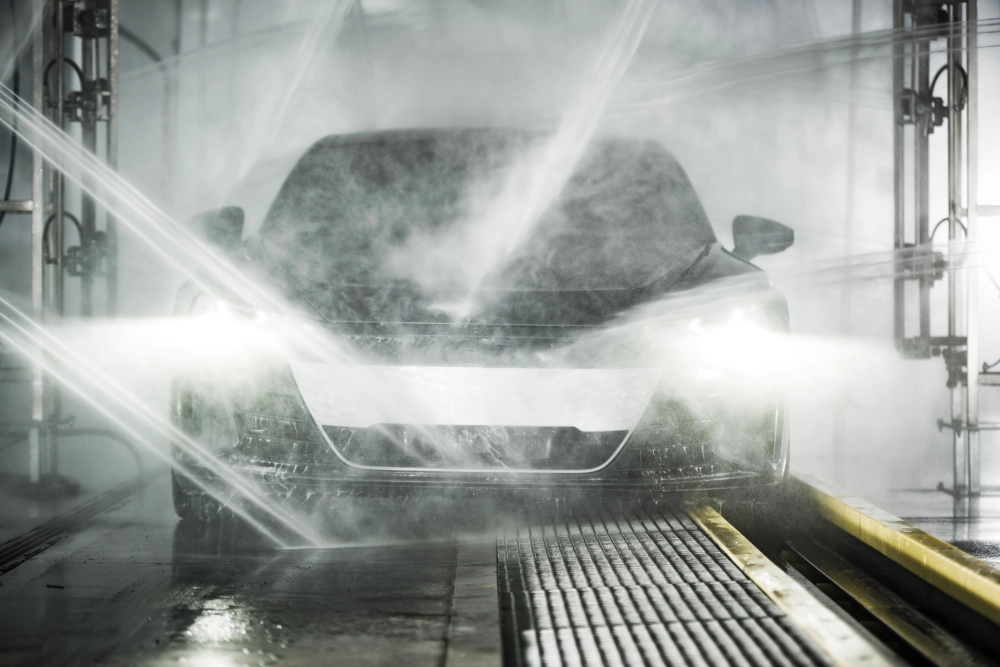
<point>138,586</point>
<point>407,582</point>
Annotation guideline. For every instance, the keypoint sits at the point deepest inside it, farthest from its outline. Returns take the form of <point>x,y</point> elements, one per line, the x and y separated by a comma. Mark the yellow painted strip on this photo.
<point>835,637</point>
<point>965,578</point>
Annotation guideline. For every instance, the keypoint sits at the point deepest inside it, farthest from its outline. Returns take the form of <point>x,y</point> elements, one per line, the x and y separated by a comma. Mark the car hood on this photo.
<point>413,307</point>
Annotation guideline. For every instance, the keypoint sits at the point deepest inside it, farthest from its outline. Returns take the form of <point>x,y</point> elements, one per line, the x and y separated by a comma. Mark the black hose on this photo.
<point>13,133</point>
<point>965,84</point>
<point>45,233</point>
<point>67,61</point>
<point>944,220</point>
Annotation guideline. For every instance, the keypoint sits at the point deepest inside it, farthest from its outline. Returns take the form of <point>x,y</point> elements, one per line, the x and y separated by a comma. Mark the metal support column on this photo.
<point>111,227</point>
<point>961,438</point>
<point>918,25</point>
<point>37,437</point>
<point>971,238</point>
<point>923,126</point>
<point>57,278</point>
<point>94,22</point>
<point>899,162</point>
<point>88,208</point>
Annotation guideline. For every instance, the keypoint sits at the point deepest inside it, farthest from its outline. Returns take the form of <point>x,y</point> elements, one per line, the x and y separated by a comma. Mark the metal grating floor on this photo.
<point>650,589</point>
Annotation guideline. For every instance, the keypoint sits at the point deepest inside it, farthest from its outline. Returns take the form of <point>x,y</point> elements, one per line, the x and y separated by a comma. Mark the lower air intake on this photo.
<point>475,447</point>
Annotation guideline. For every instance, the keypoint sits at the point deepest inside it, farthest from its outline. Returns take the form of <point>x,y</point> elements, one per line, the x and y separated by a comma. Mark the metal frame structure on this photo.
<point>61,25</point>
<point>917,111</point>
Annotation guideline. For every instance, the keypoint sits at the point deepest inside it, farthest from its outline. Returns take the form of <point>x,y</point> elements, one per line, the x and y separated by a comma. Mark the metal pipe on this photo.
<point>171,105</point>
<point>959,439</point>
<point>971,238</point>
<point>954,45</point>
<point>59,186</point>
<point>88,210</point>
<point>921,160</point>
<point>53,311</point>
<point>36,456</point>
<point>953,53</point>
<point>111,226</point>
<point>899,162</point>
<point>846,296</point>
<point>17,206</point>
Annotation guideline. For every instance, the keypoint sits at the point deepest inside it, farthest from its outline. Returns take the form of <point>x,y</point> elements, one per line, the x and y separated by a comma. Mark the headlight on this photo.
<point>227,310</point>
<point>240,312</point>
<point>717,409</point>
<point>752,316</point>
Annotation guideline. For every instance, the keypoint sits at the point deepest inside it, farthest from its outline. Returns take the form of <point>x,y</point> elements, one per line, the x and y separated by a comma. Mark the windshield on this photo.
<point>627,217</point>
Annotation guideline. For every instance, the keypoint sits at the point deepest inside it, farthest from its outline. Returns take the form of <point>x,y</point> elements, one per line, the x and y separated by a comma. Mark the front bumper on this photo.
<point>266,434</point>
<point>316,485</point>
<point>658,460</point>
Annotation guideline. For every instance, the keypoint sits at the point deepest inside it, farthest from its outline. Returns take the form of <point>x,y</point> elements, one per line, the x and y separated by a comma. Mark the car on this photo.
<point>538,390</point>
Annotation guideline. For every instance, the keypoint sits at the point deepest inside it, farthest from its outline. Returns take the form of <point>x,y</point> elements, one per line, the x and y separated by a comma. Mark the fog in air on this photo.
<point>539,115</point>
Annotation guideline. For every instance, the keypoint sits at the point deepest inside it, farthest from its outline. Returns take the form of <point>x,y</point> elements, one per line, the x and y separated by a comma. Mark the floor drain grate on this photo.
<point>647,589</point>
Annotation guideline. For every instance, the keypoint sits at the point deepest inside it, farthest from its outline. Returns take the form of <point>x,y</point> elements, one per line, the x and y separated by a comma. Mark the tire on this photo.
<point>193,504</point>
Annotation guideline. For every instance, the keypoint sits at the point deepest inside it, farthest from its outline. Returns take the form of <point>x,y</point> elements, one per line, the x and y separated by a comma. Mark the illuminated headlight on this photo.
<point>228,310</point>
<point>742,318</point>
<point>240,312</point>
<point>742,344</point>
<point>718,406</point>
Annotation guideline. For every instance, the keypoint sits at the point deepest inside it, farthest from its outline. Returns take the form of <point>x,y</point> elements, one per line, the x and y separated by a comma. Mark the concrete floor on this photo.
<point>138,586</point>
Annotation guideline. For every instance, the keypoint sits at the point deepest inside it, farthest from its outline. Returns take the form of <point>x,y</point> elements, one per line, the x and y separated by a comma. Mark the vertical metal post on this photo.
<point>846,296</point>
<point>959,444</point>
<point>58,185</point>
<point>57,230</point>
<point>953,56</point>
<point>170,131</point>
<point>899,164</point>
<point>972,278</point>
<point>112,155</point>
<point>202,104</point>
<point>36,438</point>
<point>921,162</point>
<point>88,210</point>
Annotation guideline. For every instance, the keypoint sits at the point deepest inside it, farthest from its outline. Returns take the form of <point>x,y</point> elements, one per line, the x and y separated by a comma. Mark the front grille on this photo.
<point>646,589</point>
<point>478,447</point>
<point>673,441</point>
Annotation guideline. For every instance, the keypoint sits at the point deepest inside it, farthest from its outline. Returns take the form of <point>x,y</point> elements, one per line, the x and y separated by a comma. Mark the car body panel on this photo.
<point>494,400</point>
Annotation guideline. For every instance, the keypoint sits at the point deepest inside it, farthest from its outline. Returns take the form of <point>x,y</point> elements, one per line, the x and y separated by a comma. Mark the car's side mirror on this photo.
<point>754,236</point>
<point>222,227</point>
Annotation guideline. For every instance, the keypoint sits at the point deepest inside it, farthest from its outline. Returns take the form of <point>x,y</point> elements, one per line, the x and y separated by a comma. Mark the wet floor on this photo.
<point>971,524</point>
<point>138,586</point>
<point>134,585</point>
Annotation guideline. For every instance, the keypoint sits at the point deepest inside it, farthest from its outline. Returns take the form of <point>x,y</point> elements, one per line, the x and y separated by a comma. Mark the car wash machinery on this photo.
<point>922,104</point>
<point>78,36</point>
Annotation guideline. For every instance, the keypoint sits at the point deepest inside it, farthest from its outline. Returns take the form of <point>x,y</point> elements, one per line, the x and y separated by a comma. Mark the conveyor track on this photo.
<point>650,589</point>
